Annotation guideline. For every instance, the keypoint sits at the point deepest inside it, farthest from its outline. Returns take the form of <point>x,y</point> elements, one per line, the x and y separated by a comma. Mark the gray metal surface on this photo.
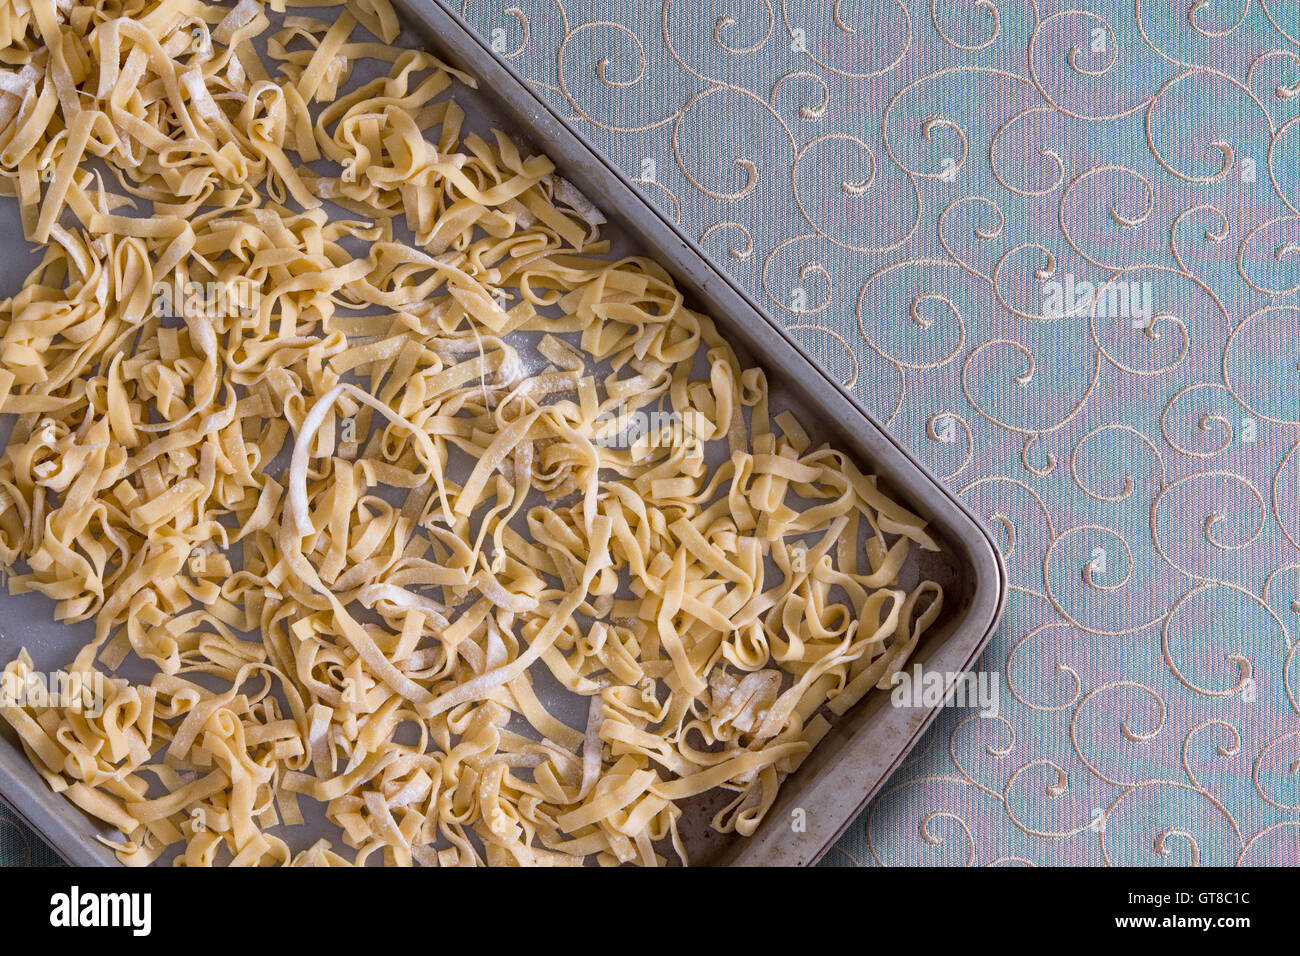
<point>866,744</point>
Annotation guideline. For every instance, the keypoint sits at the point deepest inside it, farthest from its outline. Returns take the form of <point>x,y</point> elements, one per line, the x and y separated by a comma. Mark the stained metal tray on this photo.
<point>864,746</point>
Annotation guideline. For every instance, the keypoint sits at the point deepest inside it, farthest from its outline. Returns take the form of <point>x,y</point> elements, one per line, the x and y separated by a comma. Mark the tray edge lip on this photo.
<point>31,802</point>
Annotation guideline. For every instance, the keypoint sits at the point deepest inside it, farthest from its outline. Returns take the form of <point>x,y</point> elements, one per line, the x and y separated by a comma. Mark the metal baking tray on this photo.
<point>864,746</point>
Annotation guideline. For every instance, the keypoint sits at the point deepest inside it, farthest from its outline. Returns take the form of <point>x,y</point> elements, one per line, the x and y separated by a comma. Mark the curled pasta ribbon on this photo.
<point>358,439</point>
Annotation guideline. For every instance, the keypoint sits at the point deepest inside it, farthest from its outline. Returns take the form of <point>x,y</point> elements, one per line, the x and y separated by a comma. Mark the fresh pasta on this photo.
<point>411,500</point>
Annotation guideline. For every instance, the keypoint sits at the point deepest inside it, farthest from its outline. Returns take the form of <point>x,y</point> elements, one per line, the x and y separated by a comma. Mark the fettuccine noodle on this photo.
<point>358,488</point>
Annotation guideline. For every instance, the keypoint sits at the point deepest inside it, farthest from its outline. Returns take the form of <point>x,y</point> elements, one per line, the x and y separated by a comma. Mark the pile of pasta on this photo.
<point>317,401</point>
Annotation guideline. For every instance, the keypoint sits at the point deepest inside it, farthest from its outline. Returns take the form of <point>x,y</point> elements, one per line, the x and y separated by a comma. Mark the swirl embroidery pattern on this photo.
<point>1057,251</point>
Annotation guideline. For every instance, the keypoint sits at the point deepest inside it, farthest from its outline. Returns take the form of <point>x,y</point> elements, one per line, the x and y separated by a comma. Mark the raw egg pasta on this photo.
<point>320,412</point>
